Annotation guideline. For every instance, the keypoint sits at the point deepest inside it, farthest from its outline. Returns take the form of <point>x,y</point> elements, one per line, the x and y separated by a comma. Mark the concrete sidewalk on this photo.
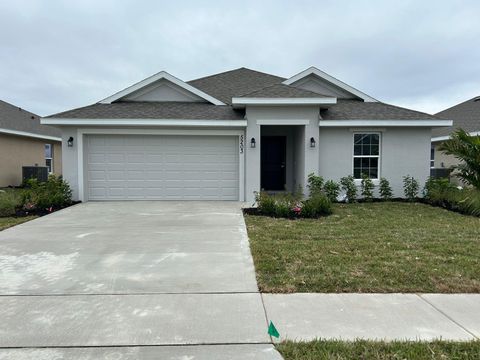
<point>375,316</point>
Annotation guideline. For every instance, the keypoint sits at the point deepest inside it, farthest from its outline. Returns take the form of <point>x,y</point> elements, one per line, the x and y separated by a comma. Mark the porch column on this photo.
<point>311,153</point>
<point>252,160</point>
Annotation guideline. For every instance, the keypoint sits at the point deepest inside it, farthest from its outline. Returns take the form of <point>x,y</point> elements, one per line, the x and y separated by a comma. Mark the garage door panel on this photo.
<point>162,167</point>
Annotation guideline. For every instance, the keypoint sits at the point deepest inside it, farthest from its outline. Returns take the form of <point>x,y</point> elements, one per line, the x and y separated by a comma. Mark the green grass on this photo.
<point>342,350</point>
<point>6,222</point>
<point>368,247</point>
<point>10,199</point>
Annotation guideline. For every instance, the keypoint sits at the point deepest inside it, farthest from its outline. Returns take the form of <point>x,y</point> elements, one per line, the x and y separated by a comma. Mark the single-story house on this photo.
<point>466,116</point>
<point>228,135</point>
<point>25,142</point>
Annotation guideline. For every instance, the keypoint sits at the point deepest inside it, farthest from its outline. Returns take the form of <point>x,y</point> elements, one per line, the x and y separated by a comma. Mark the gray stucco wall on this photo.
<point>403,151</point>
<point>70,159</point>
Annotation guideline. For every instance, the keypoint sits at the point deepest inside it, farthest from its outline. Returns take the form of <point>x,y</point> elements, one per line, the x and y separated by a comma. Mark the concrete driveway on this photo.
<point>132,274</point>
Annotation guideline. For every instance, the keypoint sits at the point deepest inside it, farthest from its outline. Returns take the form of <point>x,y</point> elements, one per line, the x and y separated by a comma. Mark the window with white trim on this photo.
<point>366,155</point>
<point>432,157</point>
<point>49,157</point>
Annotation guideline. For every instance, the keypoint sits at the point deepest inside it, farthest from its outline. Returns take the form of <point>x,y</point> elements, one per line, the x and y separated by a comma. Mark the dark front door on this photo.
<point>274,153</point>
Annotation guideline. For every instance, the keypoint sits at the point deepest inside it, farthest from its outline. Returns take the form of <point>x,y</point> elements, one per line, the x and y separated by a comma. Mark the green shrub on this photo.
<point>367,188</point>
<point>349,187</point>
<point>410,188</point>
<point>440,192</point>
<point>316,206</point>
<point>10,200</point>
<point>54,193</point>
<point>385,189</point>
<point>331,190</point>
<point>315,184</point>
<point>265,203</point>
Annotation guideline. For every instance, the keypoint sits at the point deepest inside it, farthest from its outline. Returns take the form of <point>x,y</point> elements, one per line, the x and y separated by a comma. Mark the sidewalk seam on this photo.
<point>448,317</point>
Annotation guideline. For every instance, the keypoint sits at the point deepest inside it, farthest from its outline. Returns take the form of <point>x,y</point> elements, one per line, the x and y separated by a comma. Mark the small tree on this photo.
<point>410,187</point>
<point>465,148</point>
<point>385,189</point>
<point>367,188</point>
<point>315,184</point>
<point>348,185</point>
<point>332,190</point>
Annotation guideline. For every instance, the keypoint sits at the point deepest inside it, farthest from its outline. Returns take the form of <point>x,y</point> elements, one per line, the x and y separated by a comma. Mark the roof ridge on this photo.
<point>284,85</point>
<point>459,104</point>
<point>19,108</point>
<point>232,70</point>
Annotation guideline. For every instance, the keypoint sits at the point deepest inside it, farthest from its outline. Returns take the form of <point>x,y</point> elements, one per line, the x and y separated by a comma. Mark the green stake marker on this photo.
<point>272,330</point>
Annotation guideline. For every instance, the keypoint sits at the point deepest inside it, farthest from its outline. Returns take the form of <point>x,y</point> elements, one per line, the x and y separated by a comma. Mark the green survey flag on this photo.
<point>272,330</point>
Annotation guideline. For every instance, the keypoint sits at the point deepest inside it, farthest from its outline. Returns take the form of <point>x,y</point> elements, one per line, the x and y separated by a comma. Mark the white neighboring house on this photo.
<point>466,116</point>
<point>228,135</point>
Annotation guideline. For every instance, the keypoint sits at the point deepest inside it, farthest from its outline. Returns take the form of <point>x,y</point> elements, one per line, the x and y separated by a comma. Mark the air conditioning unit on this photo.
<point>36,172</point>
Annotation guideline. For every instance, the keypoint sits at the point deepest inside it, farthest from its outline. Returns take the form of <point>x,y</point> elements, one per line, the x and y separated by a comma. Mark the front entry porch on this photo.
<point>282,158</point>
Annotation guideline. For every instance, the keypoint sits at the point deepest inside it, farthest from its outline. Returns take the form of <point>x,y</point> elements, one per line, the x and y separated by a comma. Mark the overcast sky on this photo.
<point>57,55</point>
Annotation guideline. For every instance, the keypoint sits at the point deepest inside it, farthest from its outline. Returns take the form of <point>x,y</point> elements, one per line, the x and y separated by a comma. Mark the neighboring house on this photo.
<point>228,135</point>
<point>465,115</point>
<point>25,142</point>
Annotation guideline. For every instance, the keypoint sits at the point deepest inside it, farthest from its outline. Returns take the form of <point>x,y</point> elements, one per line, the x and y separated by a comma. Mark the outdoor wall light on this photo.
<point>70,141</point>
<point>312,142</point>
<point>252,143</point>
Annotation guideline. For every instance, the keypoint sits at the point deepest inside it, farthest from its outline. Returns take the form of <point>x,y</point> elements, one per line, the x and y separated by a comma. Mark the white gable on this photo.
<point>161,87</point>
<point>163,90</point>
<point>318,81</point>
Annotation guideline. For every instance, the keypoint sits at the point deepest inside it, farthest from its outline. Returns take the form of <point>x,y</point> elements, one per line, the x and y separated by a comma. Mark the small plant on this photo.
<point>367,188</point>
<point>316,206</point>
<point>349,187</point>
<point>9,202</point>
<point>265,203</point>
<point>385,189</point>
<point>315,184</point>
<point>410,187</point>
<point>331,190</point>
<point>46,196</point>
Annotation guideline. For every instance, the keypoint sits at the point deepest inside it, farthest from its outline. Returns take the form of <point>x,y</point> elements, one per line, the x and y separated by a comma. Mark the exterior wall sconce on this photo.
<point>312,142</point>
<point>253,143</point>
<point>70,141</point>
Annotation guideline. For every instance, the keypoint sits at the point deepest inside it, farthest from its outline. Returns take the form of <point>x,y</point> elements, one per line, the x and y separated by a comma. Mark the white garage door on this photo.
<point>161,167</point>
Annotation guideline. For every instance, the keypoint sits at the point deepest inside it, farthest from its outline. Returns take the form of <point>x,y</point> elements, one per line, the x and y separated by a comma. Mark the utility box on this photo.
<point>36,172</point>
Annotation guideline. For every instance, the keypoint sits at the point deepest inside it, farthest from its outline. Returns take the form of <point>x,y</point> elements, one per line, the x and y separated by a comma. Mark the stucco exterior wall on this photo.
<point>403,151</point>
<point>18,151</point>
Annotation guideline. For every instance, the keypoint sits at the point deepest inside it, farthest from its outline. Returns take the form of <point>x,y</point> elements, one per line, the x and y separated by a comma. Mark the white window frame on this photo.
<point>379,156</point>
<point>49,158</point>
<point>432,159</point>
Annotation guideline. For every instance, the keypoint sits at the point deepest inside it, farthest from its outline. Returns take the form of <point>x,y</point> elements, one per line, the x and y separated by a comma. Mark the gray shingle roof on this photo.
<point>234,83</point>
<point>154,110</point>
<point>359,110</point>
<point>237,83</point>
<point>282,91</point>
<point>14,118</point>
<point>465,115</point>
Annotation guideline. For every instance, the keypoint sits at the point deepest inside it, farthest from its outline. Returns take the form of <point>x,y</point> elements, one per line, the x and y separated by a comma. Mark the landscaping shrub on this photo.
<point>331,190</point>
<point>265,203</point>
<point>440,192</point>
<point>385,189</point>
<point>367,188</point>
<point>9,202</point>
<point>316,206</point>
<point>315,184</point>
<point>348,186</point>
<point>53,194</point>
<point>410,187</point>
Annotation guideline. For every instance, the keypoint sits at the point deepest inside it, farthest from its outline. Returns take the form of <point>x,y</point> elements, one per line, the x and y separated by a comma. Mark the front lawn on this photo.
<point>340,350</point>
<point>6,222</point>
<point>368,247</point>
